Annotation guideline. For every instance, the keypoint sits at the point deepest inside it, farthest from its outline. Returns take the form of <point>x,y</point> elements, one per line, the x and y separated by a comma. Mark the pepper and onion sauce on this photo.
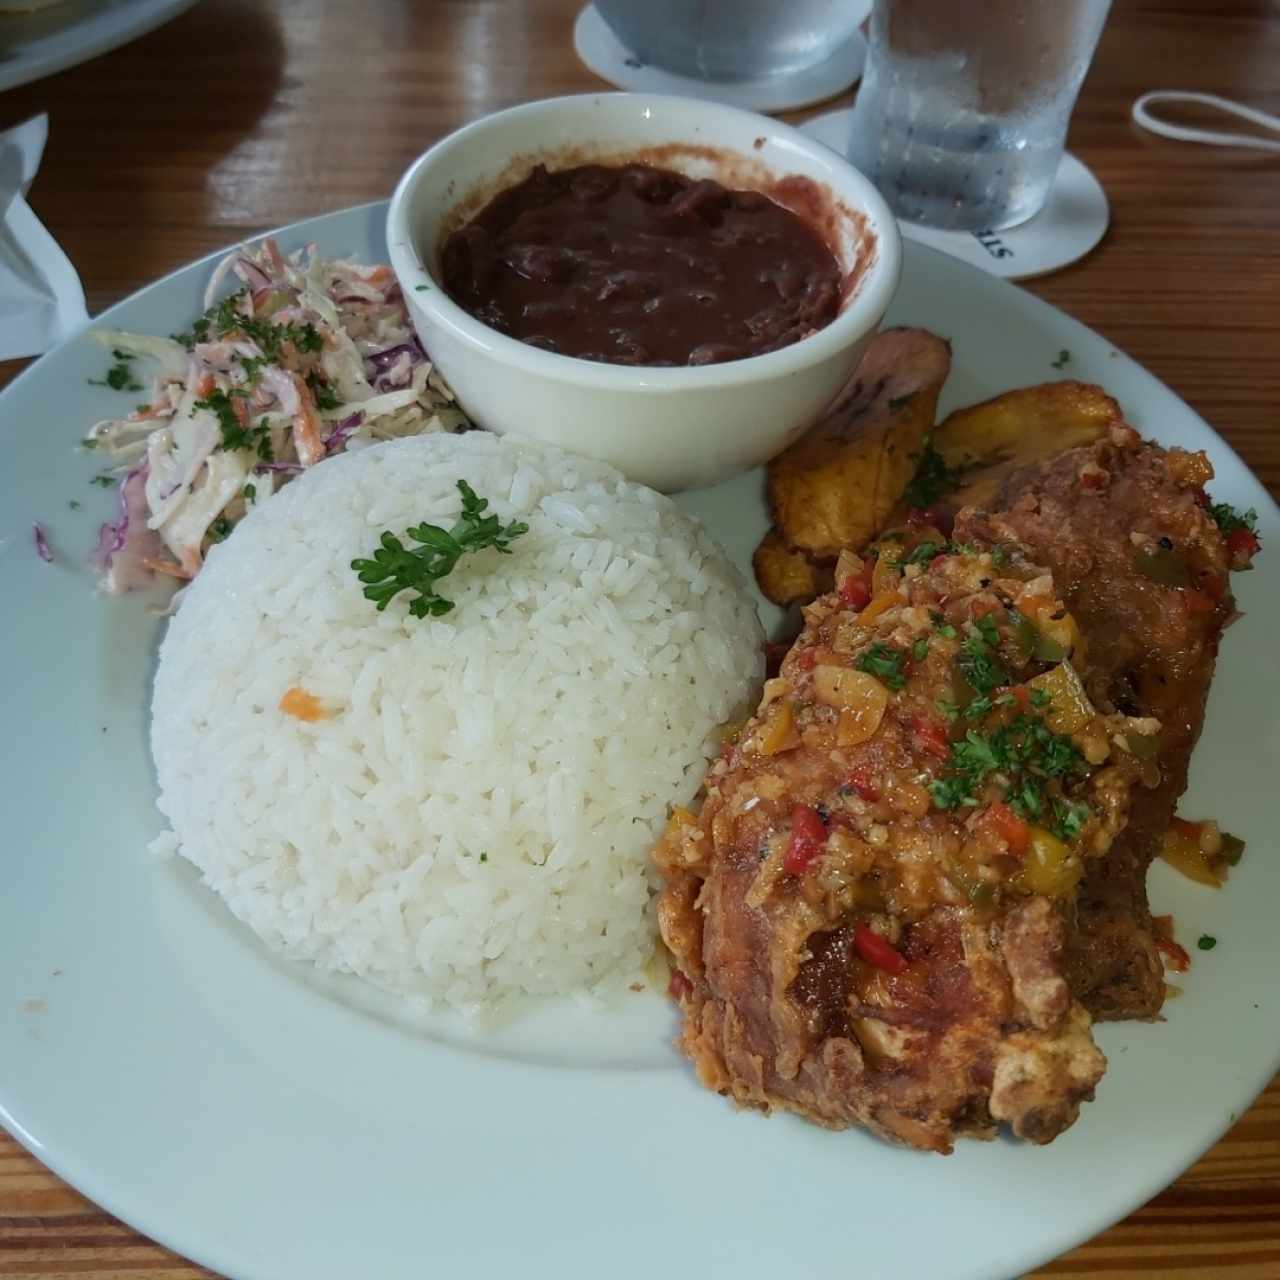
<point>890,849</point>
<point>637,265</point>
<point>962,762</point>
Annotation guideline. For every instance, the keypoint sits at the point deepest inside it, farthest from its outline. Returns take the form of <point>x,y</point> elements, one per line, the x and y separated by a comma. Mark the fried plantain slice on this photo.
<point>987,442</point>
<point>788,576</point>
<point>835,486</point>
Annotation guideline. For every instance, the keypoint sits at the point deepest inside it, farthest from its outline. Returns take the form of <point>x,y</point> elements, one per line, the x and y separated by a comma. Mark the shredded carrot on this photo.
<point>306,426</point>
<point>167,566</point>
<point>147,414</point>
<point>300,704</point>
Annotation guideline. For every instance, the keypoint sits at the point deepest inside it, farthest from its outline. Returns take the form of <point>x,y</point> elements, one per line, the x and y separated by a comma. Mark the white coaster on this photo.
<point>1072,221</point>
<point>610,59</point>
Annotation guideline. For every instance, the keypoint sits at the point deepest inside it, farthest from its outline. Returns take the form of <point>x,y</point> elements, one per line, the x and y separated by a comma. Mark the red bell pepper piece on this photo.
<point>1175,953</point>
<point>855,590</point>
<point>1242,546</point>
<point>1016,833</point>
<point>808,836</point>
<point>931,736</point>
<point>863,784</point>
<point>878,951</point>
<point>1019,692</point>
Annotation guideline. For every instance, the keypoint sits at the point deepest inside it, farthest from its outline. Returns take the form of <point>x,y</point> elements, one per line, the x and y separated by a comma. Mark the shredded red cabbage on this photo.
<point>338,436</point>
<point>383,360</point>
<point>42,544</point>
<point>125,544</point>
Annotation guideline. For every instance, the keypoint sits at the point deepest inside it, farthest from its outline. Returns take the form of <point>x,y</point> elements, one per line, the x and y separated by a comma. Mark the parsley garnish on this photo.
<point>219,529</point>
<point>119,376</point>
<point>1040,697</point>
<point>884,663</point>
<point>978,661</point>
<point>104,479</point>
<point>265,450</point>
<point>933,478</point>
<point>323,394</point>
<point>942,626</point>
<point>920,650</point>
<point>1207,942</point>
<point>925,553</point>
<point>1228,519</point>
<point>249,492</point>
<point>225,318</point>
<point>1069,818</point>
<point>235,436</point>
<point>1064,357</point>
<point>1026,753</point>
<point>394,568</point>
<point>218,403</point>
<point>74,504</point>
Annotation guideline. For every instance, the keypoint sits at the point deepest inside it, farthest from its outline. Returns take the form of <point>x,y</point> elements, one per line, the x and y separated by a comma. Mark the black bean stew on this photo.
<point>641,266</point>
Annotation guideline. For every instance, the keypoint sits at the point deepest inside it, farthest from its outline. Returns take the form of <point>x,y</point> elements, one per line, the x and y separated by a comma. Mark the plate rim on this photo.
<point>141,20</point>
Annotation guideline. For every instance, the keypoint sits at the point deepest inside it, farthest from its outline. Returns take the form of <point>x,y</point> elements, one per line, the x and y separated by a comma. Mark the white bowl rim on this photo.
<point>869,302</point>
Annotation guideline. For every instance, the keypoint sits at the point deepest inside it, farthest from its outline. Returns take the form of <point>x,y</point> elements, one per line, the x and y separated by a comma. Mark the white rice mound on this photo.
<point>473,820</point>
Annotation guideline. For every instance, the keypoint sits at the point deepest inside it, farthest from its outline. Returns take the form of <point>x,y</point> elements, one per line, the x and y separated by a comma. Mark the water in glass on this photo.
<point>962,113</point>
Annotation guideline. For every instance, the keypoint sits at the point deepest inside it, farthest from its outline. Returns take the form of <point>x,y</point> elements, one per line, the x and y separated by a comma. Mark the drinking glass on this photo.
<point>962,113</point>
<point>731,39</point>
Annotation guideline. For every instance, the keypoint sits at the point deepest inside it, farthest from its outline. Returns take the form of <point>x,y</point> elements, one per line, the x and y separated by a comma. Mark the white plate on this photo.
<point>38,44</point>
<point>268,1124</point>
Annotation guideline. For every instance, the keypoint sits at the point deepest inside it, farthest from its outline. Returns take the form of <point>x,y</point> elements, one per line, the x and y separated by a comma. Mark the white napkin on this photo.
<point>41,297</point>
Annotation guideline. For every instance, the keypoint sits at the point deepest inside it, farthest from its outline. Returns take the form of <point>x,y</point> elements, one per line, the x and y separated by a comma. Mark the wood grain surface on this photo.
<point>244,114</point>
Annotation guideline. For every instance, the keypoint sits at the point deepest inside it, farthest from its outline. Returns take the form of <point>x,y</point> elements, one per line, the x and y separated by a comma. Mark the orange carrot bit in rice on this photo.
<point>300,704</point>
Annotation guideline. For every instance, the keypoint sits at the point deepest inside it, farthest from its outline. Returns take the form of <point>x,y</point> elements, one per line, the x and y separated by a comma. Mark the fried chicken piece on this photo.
<point>865,930</point>
<point>1143,568</point>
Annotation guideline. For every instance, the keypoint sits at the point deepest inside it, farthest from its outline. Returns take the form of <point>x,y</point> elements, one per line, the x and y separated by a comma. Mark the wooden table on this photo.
<point>244,114</point>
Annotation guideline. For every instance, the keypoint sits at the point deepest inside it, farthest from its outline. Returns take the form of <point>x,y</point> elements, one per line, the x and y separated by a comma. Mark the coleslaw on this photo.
<point>307,357</point>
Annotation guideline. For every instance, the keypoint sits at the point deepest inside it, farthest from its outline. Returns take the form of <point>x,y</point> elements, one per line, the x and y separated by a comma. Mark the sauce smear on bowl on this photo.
<point>642,266</point>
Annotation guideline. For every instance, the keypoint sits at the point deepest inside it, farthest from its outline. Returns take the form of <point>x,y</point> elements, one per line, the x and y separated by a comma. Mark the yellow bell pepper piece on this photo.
<point>780,734</point>
<point>1182,850</point>
<point>886,575</point>
<point>1069,708</point>
<point>1050,867</point>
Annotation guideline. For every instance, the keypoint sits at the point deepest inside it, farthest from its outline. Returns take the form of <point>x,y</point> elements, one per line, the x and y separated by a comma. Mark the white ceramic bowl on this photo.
<point>668,428</point>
